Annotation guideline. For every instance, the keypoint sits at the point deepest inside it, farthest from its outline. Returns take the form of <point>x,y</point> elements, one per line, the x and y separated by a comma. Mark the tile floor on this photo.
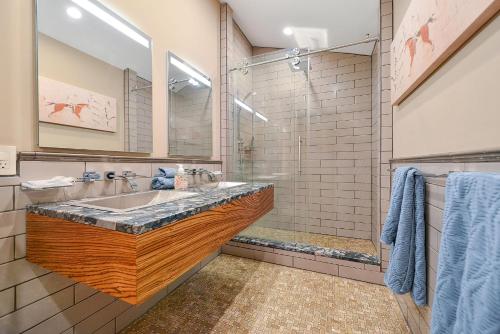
<point>237,295</point>
<point>321,240</point>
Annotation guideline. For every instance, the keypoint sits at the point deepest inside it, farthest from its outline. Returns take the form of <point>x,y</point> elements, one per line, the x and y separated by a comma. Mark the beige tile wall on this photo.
<point>234,48</point>
<point>138,114</point>
<point>36,300</point>
<point>332,194</point>
<point>191,122</point>
<point>385,117</point>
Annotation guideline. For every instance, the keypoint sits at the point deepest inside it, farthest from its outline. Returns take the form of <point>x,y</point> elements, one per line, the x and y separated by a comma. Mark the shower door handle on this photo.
<point>300,155</point>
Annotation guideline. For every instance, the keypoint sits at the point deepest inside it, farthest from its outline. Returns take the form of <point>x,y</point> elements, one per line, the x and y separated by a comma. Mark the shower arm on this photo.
<point>288,56</point>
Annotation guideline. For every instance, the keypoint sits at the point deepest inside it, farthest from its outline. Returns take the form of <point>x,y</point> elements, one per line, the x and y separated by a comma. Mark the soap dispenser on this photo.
<point>181,178</point>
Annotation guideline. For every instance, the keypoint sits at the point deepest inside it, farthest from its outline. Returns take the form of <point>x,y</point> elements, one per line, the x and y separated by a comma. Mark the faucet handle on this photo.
<point>128,173</point>
<point>90,176</point>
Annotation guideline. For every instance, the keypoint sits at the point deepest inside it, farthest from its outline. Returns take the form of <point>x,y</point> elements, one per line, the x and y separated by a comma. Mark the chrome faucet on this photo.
<point>130,176</point>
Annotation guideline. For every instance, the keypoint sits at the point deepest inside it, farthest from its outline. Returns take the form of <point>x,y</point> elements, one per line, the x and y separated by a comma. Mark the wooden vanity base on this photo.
<point>134,267</point>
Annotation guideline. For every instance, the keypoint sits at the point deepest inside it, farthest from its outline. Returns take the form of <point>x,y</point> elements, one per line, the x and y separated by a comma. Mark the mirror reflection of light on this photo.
<point>193,82</point>
<point>288,31</point>
<point>101,14</point>
<point>262,117</point>
<point>243,105</point>
<point>246,107</point>
<point>189,71</point>
<point>74,13</point>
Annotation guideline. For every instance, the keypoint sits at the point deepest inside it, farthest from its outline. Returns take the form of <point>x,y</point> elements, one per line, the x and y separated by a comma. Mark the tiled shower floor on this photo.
<point>237,295</point>
<point>321,240</point>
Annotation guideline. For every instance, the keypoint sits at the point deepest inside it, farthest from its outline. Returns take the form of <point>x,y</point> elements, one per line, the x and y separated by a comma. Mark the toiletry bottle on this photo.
<point>181,178</point>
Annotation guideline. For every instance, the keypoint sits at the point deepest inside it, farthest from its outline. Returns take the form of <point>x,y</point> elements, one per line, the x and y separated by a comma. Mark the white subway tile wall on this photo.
<point>35,300</point>
<point>190,122</point>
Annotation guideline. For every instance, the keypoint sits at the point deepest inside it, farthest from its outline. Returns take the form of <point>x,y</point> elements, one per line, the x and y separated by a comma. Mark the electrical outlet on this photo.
<point>8,163</point>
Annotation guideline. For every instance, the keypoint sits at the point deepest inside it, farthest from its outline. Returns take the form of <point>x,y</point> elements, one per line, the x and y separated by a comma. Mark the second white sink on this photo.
<point>129,202</point>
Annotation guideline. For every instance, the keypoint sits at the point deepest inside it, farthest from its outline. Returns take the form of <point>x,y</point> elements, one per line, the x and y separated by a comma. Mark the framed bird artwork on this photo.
<point>429,33</point>
<point>65,104</point>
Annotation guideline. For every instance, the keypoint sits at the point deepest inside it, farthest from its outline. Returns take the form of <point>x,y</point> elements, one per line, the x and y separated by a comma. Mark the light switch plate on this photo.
<point>8,163</point>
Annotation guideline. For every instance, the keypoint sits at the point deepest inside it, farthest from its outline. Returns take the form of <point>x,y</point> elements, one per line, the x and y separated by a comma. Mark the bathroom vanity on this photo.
<point>133,245</point>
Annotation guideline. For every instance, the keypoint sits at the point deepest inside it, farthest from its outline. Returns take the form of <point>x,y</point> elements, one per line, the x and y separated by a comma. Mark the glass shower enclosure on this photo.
<point>299,124</point>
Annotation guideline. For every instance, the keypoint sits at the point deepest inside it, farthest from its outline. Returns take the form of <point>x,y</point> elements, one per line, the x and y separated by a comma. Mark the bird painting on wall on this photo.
<point>64,104</point>
<point>76,109</point>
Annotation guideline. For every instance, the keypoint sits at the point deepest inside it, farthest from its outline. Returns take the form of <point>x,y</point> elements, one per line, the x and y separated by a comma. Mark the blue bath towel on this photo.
<point>161,183</point>
<point>404,229</point>
<point>467,297</point>
<point>167,172</point>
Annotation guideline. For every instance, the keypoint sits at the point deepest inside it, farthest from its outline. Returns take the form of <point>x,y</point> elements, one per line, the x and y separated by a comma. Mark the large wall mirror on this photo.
<point>94,78</point>
<point>190,110</point>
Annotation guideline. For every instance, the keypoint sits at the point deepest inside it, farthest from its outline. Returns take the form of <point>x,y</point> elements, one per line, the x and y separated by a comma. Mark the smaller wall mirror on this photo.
<point>190,110</point>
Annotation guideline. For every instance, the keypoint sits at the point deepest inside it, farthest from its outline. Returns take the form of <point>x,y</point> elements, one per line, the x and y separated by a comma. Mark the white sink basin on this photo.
<point>129,202</point>
<point>223,185</point>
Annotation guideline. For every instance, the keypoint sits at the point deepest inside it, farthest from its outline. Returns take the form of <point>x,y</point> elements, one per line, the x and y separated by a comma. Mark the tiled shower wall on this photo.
<point>332,194</point>
<point>234,48</point>
<point>190,127</point>
<point>36,300</point>
<point>138,113</point>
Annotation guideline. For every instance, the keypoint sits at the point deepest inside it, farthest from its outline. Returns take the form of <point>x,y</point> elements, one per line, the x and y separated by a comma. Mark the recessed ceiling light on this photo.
<point>74,13</point>
<point>288,31</point>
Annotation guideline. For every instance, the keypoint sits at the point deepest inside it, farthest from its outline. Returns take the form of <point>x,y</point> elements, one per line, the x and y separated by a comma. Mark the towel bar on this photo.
<point>429,174</point>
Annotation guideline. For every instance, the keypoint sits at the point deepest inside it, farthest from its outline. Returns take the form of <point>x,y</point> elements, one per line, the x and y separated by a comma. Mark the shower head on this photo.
<point>297,64</point>
<point>248,95</point>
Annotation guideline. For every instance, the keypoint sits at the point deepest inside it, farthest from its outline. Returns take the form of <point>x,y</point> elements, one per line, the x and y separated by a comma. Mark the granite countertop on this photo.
<point>149,218</point>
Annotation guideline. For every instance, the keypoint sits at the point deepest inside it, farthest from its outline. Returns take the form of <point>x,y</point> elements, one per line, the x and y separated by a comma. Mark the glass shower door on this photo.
<point>265,140</point>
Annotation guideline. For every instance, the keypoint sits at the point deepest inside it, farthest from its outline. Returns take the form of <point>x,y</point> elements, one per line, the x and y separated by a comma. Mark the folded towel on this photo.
<point>160,182</point>
<point>167,172</point>
<point>404,229</point>
<point>467,297</point>
<point>55,182</point>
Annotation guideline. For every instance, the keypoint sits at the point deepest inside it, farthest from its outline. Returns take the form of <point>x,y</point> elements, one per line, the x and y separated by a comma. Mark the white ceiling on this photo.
<point>93,37</point>
<point>317,23</point>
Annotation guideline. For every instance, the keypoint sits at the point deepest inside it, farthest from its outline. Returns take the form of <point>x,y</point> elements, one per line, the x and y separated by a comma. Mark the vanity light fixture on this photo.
<point>190,71</point>
<point>288,31</point>
<point>100,13</point>
<point>74,13</point>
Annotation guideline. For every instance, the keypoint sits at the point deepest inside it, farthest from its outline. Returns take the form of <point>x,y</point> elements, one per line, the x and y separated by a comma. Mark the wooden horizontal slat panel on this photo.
<point>134,267</point>
<point>102,258</point>
<point>167,253</point>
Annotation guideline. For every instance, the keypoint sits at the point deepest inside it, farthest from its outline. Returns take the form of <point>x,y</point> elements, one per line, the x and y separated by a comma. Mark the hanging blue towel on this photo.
<point>467,297</point>
<point>167,172</point>
<point>404,229</point>
<point>162,183</point>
